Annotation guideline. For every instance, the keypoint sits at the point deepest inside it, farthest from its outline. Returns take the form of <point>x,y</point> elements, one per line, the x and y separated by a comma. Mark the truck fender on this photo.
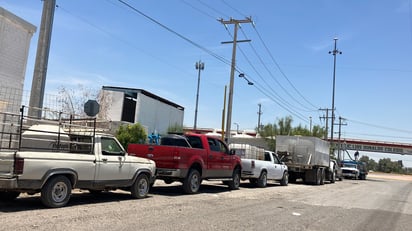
<point>143,171</point>
<point>70,173</point>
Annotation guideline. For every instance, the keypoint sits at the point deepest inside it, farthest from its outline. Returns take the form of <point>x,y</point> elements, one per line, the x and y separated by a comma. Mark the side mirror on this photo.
<point>232,152</point>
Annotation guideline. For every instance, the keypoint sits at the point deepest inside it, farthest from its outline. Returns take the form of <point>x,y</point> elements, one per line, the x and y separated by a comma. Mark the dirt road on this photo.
<point>374,204</point>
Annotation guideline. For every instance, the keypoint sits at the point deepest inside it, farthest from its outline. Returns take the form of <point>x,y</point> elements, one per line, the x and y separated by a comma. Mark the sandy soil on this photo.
<point>390,176</point>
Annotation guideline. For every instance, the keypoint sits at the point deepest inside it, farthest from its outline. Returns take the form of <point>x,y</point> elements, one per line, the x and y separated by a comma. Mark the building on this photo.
<point>15,37</point>
<point>131,105</point>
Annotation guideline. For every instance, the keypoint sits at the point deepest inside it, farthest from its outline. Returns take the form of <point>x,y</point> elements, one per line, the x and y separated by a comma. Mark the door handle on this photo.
<point>210,156</point>
<point>104,159</point>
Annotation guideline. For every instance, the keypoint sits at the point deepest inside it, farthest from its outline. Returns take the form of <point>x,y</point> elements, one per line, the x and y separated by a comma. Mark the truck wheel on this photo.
<point>56,192</point>
<point>322,176</point>
<point>8,195</point>
<point>253,181</point>
<point>191,183</point>
<point>140,187</point>
<point>262,180</point>
<point>332,177</point>
<point>317,176</point>
<point>292,178</point>
<point>285,179</point>
<point>235,182</point>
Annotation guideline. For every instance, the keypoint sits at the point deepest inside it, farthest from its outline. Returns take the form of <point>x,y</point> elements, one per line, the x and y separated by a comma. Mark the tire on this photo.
<point>8,195</point>
<point>318,176</point>
<point>285,179</point>
<point>168,181</point>
<point>191,183</point>
<point>292,178</point>
<point>322,176</point>
<point>253,181</point>
<point>333,177</point>
<point>262,180</point>
<point>56,192</point>
<point>235,182</point>
<point>140,187</point>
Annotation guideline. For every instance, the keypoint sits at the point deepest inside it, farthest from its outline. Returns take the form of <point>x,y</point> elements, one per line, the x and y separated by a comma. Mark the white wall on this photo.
<point>156,115</point>
<point>15,36</point>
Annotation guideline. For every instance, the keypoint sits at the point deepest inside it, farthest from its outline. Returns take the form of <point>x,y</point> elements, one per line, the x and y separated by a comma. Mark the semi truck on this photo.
<point>307,158</point>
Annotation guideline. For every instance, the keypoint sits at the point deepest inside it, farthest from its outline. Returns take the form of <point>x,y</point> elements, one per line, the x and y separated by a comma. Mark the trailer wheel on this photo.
<point>56,192</point>
<point>191,183</point>
<point>8,195</point>
<point>140,187</point>
<point>333,177</point>
<point>235,182</point>
<point>262,180</point>
<point>285,179</point>
<point>317,176</point>
<point>322,176</point>
<point>253,181</point>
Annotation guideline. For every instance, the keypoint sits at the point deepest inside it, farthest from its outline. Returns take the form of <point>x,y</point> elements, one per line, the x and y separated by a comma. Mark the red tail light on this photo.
<point>18,165</point>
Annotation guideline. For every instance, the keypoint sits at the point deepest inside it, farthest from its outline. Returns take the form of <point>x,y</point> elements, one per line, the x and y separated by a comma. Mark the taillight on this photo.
<point>18,165</point>
<point>253,163</point>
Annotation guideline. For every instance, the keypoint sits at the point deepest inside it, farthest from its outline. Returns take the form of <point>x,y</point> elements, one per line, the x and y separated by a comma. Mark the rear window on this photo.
<point>173,141</point>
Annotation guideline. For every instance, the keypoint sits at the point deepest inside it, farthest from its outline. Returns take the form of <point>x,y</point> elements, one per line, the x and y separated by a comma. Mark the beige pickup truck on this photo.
<point>54,159</point>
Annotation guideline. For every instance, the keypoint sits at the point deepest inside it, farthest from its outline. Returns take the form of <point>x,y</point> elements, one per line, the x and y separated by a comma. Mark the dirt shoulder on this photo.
<point>390,176</point>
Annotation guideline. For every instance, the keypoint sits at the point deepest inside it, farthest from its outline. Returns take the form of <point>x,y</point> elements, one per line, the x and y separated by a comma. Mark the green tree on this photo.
<point>131,133</point>
<point>371,163</point>
<point>388,166</point>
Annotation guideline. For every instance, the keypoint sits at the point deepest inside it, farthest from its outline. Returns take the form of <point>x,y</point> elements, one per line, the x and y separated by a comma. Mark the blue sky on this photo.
<point>96,43</point>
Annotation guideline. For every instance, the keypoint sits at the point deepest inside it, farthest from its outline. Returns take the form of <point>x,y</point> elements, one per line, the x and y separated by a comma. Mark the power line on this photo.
<point>280,69</point>
<point>218,57</point>
<point>379,126</point>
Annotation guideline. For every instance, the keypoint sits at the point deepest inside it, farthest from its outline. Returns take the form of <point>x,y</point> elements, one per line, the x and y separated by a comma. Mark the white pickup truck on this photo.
<point>50,160</point>
<point>259,165</point>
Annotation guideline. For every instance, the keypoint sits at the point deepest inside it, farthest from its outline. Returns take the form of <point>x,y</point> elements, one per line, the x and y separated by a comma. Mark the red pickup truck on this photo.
<point>190,159</point>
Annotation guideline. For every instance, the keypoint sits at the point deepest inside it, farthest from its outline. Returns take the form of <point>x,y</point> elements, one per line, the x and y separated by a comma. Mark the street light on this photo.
<point>334,52</point>
<point>241,75</point>
<point>237,128</point>
<point>199,66</point>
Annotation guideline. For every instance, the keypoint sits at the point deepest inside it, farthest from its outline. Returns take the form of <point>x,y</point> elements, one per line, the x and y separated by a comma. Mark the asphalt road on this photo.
<point>374,204</point>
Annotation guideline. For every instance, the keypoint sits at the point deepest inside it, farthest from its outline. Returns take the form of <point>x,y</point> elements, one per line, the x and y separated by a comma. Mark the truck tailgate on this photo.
<point>6,164</point>
<point>162,155</point>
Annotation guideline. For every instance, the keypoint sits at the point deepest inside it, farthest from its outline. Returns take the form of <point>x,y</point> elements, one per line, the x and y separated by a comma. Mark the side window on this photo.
<point>217,145</point>
<point>110,147</point>
<point>195,142</point>
<point>275,159</point>
<point>213,145</point>
<point>267,156</point>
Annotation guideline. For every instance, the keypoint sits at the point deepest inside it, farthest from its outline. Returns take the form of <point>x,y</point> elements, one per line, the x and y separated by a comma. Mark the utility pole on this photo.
<point>42,58</point>
<point>310,125</point>
<point>199,66</point>
<point>259,114</point>
<point>340,132</point>
<point>334,53</point>
<point>232,70</point>
<point>326,119</point>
